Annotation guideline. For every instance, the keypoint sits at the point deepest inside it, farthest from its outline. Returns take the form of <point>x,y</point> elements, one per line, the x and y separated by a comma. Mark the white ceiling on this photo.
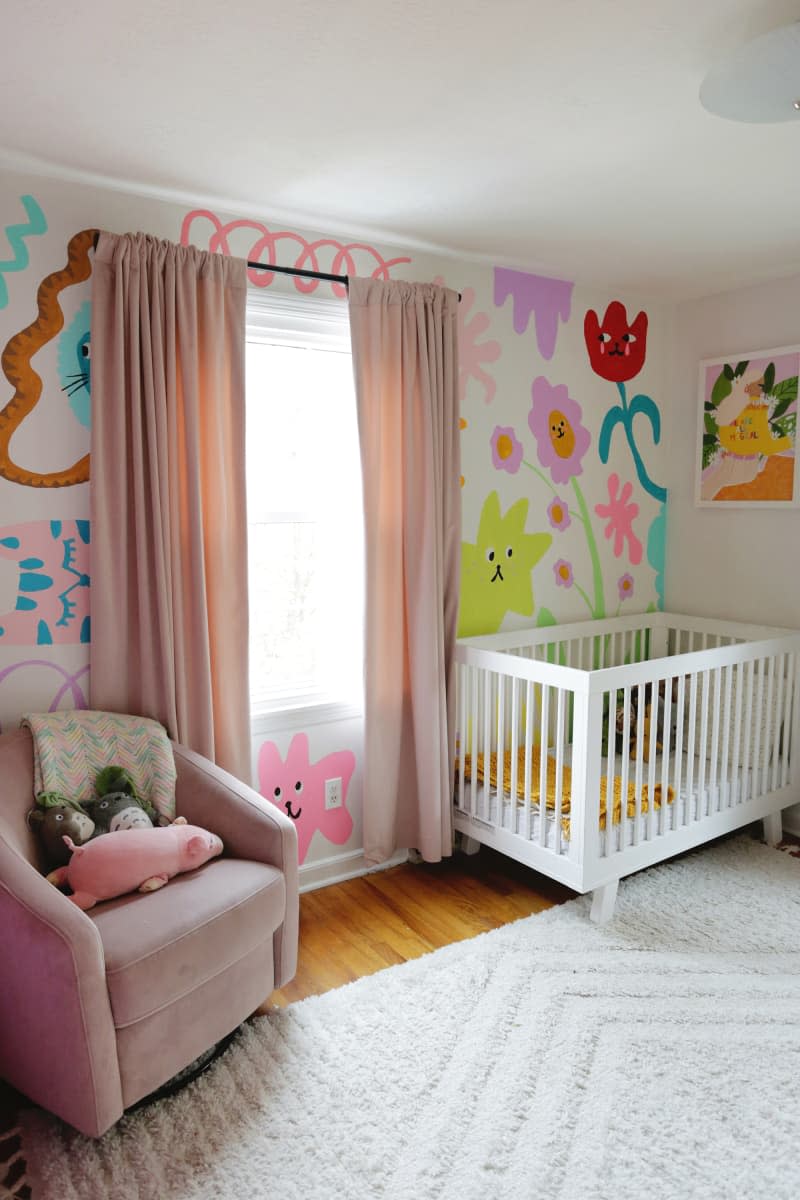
<point>559,135</point>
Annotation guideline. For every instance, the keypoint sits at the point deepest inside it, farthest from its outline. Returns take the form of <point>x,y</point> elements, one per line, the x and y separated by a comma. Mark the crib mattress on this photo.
<point>687,807</point>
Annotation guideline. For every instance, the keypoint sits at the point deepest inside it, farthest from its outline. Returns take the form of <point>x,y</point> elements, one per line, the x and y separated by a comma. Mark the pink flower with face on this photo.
<point>620,516</point>
<point>297,787</point>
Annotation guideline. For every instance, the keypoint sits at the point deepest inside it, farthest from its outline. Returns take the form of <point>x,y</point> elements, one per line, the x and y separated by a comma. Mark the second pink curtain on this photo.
<point>405,360</point>
<point>169,526</point>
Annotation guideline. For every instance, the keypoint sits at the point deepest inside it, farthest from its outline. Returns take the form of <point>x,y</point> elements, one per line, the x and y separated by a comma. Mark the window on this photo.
<point>305,523</point>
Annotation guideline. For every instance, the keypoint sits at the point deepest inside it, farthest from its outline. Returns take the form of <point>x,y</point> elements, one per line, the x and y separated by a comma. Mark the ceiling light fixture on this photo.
<point>758,82</point>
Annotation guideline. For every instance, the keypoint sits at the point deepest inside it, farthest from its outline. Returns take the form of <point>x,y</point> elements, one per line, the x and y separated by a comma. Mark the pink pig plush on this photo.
<point>134,858</point>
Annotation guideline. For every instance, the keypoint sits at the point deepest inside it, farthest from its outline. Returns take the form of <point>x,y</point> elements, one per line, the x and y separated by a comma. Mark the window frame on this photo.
<point>312,323</point>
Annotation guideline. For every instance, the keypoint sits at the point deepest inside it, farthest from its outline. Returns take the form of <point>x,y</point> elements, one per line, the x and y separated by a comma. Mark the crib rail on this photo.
<point>593,749</point>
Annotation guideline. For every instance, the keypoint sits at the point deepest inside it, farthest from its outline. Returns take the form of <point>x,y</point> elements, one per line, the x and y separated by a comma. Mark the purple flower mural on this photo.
<point>506,450</point>
<point>555,421</point>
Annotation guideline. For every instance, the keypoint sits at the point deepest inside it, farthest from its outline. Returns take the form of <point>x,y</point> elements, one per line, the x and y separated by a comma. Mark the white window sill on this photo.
<point>295,714</point>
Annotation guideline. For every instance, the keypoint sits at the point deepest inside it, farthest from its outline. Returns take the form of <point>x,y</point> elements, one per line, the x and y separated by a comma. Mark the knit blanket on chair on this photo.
<point>70,747</point>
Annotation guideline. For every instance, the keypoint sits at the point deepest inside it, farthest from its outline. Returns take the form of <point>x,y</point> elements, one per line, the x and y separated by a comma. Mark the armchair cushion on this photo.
<point>182,935</point>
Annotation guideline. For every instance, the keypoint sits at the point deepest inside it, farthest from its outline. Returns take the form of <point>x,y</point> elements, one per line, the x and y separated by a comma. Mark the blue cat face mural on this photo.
<point>75,363</point>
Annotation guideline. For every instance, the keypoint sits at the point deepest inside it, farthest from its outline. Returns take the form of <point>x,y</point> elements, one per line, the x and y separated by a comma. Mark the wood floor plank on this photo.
<point>366,924</point>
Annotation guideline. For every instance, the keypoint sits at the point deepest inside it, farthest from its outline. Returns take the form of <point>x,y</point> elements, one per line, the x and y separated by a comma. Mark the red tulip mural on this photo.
<point>617,350</point>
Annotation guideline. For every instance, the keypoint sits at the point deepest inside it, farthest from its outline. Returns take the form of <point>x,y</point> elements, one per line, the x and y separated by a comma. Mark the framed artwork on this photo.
<point>747,430</point>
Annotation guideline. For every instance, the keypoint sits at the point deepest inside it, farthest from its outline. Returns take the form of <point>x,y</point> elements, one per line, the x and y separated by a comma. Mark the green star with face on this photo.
<point>496,570</point>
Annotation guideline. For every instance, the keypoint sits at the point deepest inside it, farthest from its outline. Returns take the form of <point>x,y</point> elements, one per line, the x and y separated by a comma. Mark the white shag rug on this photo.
<point>657,1058</point>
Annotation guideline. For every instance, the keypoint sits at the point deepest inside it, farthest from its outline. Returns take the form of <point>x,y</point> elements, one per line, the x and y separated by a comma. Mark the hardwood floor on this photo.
<point>355,928</point>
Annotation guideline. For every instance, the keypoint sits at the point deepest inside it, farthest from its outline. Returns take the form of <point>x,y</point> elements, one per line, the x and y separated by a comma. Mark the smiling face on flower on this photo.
<point>562,435</point>
<point>496,569</point>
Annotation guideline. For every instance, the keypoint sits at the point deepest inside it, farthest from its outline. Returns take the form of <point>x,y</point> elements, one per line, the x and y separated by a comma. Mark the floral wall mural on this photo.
<point>563,472</point>
<point>586,472</point>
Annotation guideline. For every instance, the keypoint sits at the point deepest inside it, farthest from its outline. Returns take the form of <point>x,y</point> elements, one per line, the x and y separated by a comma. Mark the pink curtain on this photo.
<point>405,362</point>
<point>169,549</point>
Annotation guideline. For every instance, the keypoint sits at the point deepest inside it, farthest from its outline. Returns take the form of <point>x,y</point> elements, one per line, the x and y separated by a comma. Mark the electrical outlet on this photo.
<point>333,793</point>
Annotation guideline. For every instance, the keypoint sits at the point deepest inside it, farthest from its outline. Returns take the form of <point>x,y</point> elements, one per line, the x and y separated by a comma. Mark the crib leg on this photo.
<point>469,845</point>
<point>603,901</point>
<point>773,828</point>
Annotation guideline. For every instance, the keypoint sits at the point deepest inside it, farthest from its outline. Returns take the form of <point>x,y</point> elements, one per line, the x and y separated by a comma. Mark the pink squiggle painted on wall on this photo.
<point>472,353</point>
<point>550,300</point>
<point>70,679</point>
<point>267,243</point>
<point>297,786</point>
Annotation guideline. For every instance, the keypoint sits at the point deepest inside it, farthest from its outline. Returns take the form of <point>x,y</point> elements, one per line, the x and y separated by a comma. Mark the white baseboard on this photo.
<point>339,867</point>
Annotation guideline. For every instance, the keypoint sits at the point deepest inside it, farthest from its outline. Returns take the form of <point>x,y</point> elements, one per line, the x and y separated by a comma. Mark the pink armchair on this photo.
<point>100,1008</point>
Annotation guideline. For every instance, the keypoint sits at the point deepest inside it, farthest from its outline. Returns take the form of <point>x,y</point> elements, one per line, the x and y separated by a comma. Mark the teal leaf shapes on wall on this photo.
<point>35,226</point>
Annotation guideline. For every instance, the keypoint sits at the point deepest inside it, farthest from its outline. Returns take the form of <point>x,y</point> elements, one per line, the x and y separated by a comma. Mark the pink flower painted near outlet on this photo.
<point>297,787</point>
<point>620,516</point>
<point>625,586</point>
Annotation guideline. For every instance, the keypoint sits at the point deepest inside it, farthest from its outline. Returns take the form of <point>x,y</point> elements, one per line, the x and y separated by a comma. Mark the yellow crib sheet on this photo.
<point>566,786</point>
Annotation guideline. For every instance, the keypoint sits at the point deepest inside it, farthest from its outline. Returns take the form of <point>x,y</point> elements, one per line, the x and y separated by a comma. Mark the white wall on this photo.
<point>736,563</point>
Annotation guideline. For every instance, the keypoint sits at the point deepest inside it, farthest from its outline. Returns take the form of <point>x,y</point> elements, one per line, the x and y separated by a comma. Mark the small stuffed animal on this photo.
<point>55,819</point>
<point>118,810</point>
<point>145,859</point>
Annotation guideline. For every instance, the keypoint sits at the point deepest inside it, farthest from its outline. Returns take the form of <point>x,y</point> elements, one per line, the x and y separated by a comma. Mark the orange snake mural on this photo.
<point>16,364</point>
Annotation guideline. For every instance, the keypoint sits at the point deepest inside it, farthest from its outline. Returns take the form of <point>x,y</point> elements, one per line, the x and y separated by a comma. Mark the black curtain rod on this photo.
<point>261,266</point>
<point>345,279</point>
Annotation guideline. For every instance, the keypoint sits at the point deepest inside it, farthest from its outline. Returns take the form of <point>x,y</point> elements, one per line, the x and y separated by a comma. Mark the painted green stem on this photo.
<point>599,609</point>
<point>586,599</point>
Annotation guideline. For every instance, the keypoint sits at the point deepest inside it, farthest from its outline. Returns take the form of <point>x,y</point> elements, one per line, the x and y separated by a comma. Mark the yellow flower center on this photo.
<point>558,513</point>
<point>562,434</point>
<point>563,571</point>
<point>505,447</point>
<point>626,585</point>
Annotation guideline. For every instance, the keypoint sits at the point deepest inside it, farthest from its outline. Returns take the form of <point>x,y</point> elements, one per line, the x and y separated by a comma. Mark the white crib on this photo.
<point>560,713</point>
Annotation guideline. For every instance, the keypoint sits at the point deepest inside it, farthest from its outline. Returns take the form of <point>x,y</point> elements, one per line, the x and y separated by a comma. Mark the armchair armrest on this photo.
<point>250,827</point>
<point>57,1039</point>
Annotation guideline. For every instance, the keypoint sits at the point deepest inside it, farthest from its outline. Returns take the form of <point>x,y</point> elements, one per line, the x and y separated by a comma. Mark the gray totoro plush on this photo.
<point>118,810</point>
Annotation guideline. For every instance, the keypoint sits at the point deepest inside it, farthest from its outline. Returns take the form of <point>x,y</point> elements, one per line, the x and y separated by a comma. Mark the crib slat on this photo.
<point>560,707</point>
<point>713,785</point>
<point>473,787</point>
<point>736,784</point>
<point>768,730</point>
<point>651,766</point>
<point>703,798</point>
<point>544,729</point>
<point>726,772</point>
<point>755,774</point>
<point>528,758</point>
<point>666,747</point>
<point>462,732</point>
<point>748,734</point>
<point>640,718</point>
<point>611,755</point>
<point>780,670</point>
<point>487,746</point>
<point>626,758</point>
<point>692,807</point>
<point>513,798</point>
<point>500,743</point>
<point>787,719</point>
<point>679,727</point>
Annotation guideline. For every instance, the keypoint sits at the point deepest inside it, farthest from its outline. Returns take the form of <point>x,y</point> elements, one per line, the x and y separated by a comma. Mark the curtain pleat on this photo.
<point>404,339</point>
<point>168,508</point>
